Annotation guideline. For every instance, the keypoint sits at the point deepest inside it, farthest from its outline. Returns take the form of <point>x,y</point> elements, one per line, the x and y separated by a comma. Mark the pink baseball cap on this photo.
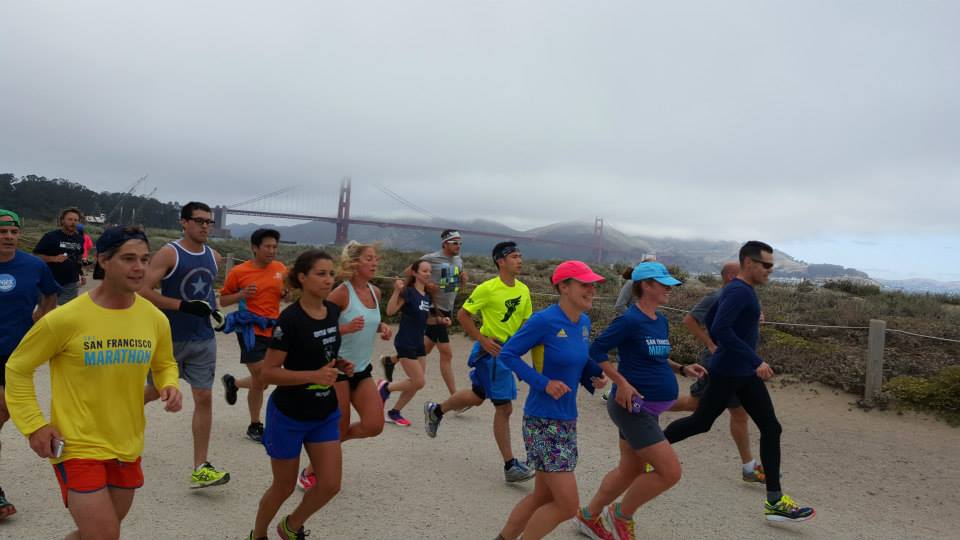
<point>575,270</point>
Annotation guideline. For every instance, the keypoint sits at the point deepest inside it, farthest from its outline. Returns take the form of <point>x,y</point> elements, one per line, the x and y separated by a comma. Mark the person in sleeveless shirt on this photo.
<point>359,302</point>
<point>186,270</point>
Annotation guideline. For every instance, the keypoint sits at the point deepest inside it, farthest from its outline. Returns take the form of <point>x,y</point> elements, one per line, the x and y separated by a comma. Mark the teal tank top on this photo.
<point>358,346</point>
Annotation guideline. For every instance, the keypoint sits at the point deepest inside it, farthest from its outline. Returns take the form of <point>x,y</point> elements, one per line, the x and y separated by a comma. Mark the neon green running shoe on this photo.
<point>206,475</point>
<point>287,534</point>
<point>786,509</point>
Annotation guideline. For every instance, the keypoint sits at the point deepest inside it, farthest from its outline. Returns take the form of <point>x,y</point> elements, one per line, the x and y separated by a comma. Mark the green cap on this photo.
<point>12,218</point>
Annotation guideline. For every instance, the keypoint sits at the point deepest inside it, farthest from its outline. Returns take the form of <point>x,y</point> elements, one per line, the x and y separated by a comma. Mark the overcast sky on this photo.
<point>831,129</point>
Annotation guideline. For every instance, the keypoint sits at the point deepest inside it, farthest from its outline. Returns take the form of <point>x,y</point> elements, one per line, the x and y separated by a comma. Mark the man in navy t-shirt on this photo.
<point>62,250</point>
<point>737,370</point>
<point>21,276</point>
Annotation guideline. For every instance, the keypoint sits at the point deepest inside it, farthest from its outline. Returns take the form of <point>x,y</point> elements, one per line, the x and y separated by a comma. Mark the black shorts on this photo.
<point>260,344</point>
<point>411,353</point>
<point>357,377</point>
<point>478,390</point>
<point>3,369</point>
<point>437,333</point>
<point>699,386</point>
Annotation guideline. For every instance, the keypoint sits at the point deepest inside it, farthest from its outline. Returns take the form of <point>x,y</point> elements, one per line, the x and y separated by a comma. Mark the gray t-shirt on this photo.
<point>625,298</point>
<point>446,274</point>
<point>699,312</point>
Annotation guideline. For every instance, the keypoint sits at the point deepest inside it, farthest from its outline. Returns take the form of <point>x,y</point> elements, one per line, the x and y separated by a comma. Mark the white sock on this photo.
<point>748,467</point>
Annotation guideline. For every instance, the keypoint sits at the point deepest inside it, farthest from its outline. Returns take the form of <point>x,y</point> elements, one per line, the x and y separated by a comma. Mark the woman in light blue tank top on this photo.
<point>360,323</point>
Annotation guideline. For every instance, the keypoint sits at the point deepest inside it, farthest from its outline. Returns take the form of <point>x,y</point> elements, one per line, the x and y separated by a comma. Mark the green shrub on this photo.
<point>853,287</point>
<point>939,393</point>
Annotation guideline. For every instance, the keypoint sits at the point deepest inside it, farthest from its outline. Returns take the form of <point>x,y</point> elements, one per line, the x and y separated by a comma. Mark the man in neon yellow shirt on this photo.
<point>504,304</point>
<point>100,348</point>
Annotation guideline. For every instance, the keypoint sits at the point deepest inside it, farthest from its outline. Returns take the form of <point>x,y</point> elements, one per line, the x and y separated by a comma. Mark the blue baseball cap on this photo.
<point>654,270</point>
<point>117,236</point>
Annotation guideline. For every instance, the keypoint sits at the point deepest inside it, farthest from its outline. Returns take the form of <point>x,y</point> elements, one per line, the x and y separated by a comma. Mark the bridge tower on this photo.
<point>343,212</point>
<point>598,240</point>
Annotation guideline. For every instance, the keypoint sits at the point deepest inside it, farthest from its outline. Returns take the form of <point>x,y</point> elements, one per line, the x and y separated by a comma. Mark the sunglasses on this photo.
<point>766,265</point>
<point>454,242</point>
<point>200,221</point>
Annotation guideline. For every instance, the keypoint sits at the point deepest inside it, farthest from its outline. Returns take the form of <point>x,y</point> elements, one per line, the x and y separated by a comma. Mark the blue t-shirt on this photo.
<point>565,347</point>
<point>21,278</point>
<point>413,319</point>
<point>643,346</point>
<point>734,325</point>
<point>56,243</point>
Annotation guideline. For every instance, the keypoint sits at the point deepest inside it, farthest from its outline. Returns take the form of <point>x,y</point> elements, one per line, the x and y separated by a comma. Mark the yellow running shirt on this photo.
<point>503,308</point>
<point>99,360</point>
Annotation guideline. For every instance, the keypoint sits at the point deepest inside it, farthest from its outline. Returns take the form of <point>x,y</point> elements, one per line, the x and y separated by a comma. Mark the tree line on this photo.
<point>37,198</point>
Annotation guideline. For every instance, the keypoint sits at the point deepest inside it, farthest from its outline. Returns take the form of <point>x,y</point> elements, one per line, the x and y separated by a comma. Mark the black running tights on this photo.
<point>756,401</point>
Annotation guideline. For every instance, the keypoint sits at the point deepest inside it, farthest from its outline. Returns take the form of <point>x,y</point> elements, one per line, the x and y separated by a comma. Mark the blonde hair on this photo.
<point>350,256</point>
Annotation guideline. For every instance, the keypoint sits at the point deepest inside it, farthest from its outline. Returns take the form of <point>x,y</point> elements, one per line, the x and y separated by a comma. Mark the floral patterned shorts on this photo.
<point>551,444</point>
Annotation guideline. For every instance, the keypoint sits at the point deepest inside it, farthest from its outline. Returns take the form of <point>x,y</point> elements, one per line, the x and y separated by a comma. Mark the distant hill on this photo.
<point>37,198</point>
<point>696,256</point>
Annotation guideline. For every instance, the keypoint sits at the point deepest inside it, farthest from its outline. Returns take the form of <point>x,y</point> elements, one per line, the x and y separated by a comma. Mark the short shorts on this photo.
<point>259,350</point>
<point>491,379</point>
<point>640,430</point>
<point>283,437</point>
<point>699,386</point>
<point>196,361</point>
<point>551,444</point>
<point>411,353</point>
<point>68,292</point>
<point>437,333</point>
<point>90,475</point>
<point>357,377</point>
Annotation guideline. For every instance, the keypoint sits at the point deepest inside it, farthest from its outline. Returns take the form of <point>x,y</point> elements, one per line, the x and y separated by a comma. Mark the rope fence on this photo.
<point>877,332</point>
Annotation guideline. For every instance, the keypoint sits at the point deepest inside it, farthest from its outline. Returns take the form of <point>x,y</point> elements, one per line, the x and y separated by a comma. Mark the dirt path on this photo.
<point>870,475</point>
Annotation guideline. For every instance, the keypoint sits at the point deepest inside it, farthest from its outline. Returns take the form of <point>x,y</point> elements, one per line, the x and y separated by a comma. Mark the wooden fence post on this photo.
<point>875,344</point>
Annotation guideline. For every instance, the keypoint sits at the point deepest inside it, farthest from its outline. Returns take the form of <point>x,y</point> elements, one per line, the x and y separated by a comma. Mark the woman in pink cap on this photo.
<point>559,337</point>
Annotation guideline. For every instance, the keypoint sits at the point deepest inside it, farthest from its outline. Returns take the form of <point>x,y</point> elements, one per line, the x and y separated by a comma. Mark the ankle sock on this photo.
<point>774,496</point>
<point>510,463</point>
<point>438,411</point>
<point>748,467</point>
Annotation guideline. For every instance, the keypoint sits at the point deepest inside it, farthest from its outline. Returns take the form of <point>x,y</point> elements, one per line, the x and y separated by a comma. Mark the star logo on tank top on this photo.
<point>199,286</point>
<point>196,284</point>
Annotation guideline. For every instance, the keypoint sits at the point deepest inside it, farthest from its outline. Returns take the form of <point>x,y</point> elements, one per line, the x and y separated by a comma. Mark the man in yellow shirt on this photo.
<point>504,304</point>
<point>100,348</point>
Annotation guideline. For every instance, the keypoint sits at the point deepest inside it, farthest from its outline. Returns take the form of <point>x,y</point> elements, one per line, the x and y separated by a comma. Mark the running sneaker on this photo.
<point>287,534</point>
<point>623,529</point>
<point>605,395</point>
<point>229,388</point>
<point>206,475</point>
<point>255,432</point>
<point>430,419</point>
<point>383,386</point>
<point>6,507</point>
<point>388,367</point>
<point>306,480</point>
<point>518,472</point>
<point>787,510</point>
<point>394,417</point>
<point>594,527</point>
<point>756,475</point>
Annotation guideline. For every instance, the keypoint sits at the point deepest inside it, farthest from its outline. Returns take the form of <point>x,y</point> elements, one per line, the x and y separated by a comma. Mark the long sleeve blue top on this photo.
<point>643,346</point>
<point>560,352</point>
<point>734,325</point>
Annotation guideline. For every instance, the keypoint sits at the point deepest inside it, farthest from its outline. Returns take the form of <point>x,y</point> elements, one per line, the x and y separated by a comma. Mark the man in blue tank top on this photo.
<point>186,269</point>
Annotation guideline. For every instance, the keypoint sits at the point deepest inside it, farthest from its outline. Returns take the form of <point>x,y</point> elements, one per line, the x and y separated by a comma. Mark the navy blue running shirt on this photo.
<point>413,319</point>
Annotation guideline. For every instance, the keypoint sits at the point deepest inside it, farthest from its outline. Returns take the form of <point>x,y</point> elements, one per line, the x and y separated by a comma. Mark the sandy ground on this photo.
<point>870,475</point>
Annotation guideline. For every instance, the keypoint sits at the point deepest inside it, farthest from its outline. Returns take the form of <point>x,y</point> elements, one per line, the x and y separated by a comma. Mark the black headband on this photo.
<point>505,250</point>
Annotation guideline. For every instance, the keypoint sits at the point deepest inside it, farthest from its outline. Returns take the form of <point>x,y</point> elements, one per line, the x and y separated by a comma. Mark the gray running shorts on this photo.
<point>640,430</point>
<point>196,361</point>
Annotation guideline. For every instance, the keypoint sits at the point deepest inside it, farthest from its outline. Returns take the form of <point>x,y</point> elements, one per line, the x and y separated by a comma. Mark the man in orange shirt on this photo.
<point>258,285</point>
